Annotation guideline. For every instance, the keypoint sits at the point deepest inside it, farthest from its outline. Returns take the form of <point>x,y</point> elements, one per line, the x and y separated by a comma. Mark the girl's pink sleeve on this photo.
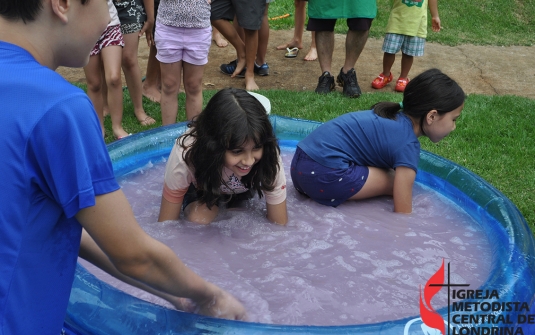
<point>173,196</point>
<point>278,194</point>
<point>178,176</point>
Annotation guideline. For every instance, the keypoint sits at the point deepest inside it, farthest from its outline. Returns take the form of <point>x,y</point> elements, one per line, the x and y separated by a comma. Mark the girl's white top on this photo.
<point>113,14</point>
<point>178,177</point>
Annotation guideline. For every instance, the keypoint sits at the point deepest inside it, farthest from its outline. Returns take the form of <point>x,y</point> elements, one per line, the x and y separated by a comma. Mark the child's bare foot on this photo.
<point>144,119</point>
<point>152,93</point>
<point>292,44</point>
<point>105,111</point>
<point>250,83</point>
<point>120,133</point>
<point>219,40</point>
<point>312,54</point>
<point>239,67</point>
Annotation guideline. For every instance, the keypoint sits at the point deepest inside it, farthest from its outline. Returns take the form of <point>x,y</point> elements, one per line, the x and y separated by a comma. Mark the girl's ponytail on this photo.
<point>430,90</point>
<point>386,109</point>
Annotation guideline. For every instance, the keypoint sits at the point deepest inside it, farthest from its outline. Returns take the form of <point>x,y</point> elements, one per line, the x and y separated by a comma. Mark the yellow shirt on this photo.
<point>408,17</point>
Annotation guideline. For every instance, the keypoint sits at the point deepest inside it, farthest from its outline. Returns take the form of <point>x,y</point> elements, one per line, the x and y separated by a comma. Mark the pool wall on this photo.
<point>97,308</point>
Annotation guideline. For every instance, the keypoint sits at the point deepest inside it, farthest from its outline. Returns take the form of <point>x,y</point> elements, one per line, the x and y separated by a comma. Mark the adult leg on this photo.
<point>299,27</point>
<point>94,86</point>
<point>355,42</point>
<point>325,47</point>
<point>251,48</point>
<point>193,87</point>
<point>111,59</point>
<point>152,85</point>
<point>406,64</point>
<point>379,182</point>
<point>171,73</point>
<point>228,31</point>
<point>132,74</point>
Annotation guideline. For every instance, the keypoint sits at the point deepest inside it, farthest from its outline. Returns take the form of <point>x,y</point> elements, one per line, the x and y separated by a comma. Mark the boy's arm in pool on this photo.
<point>113,227</point>
<point>90,251</point>
<point>277,213</point>
<point>169,210</point>
<point>402,192</point>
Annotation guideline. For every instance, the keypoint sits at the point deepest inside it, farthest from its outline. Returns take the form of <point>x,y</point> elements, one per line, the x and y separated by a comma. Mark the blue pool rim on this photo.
<point>97,308</point>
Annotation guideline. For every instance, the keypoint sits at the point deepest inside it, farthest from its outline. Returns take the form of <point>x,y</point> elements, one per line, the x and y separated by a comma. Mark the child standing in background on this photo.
<point>137,17</point>
<point>296,43</point>
<point>106,56</point>
<point>183,38</point>
<point>229,153</point>
<point>366,154</point>
<point>406,31</point>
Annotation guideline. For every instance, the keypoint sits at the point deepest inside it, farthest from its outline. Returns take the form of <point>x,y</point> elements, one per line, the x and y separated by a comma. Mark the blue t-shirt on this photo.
<point>53,162</point>
<point>365,139</point>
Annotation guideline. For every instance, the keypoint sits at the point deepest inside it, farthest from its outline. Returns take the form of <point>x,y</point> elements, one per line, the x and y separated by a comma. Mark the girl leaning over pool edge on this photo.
<point>370,153</point>
<point>229,153</point>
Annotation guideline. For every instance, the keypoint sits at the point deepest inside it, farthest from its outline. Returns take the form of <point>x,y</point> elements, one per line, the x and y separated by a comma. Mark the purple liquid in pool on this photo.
<point>354,264</point>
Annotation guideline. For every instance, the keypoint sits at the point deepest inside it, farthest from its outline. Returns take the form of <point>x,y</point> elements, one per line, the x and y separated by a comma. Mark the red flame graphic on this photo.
<point>429,316</point>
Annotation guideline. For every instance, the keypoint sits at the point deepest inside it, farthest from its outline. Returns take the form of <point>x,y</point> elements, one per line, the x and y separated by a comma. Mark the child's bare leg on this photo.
<point>239,29</point>
<point>152,85</point>
<point>299,27</point>
<point>199,213</point>
<point>132,74</point>
<point>406,64</point>
<point>111,58</point>
<point>171,75</point>
<point>388,61</point>
<point>312,53</point>
<point>193,87</point>
<point>104,90</point>
<point>251,47</point>
<point>218,39</point>
<point>94,86</point>
<point>263,38</point>
<point>228,31</point>
<point>379,182</point>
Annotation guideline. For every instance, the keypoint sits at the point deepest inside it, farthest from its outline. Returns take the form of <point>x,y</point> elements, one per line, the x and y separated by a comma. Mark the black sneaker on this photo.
<point>349,82</point>
<point>325,83</point>
<point>262,70</point>
<point>231,67</point>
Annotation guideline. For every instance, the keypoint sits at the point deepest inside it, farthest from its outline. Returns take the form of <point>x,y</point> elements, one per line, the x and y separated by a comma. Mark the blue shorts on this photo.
<point>327,186</point>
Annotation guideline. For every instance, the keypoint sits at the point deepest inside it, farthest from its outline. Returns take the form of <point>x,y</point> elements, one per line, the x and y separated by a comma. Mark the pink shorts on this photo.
<point>111,36</point>
<point>190,45</point>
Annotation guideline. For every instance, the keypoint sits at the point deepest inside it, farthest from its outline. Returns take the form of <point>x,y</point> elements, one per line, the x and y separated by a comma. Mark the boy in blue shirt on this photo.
<point>57,177</point>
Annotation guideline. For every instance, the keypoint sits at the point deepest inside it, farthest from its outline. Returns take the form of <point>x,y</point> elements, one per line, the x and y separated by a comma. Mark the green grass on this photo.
<point>494,136</point>
<point>482,22</point>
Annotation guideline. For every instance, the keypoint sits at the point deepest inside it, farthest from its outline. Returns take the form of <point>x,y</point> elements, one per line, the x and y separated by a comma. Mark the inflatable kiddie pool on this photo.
<point>97,308</point>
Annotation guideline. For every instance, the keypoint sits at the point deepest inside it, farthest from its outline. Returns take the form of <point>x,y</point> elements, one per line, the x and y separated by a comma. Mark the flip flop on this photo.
<point>292,53</point>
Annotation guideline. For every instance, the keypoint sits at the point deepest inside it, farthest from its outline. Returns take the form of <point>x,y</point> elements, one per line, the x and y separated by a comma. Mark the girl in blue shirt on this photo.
<point>365,154</point>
